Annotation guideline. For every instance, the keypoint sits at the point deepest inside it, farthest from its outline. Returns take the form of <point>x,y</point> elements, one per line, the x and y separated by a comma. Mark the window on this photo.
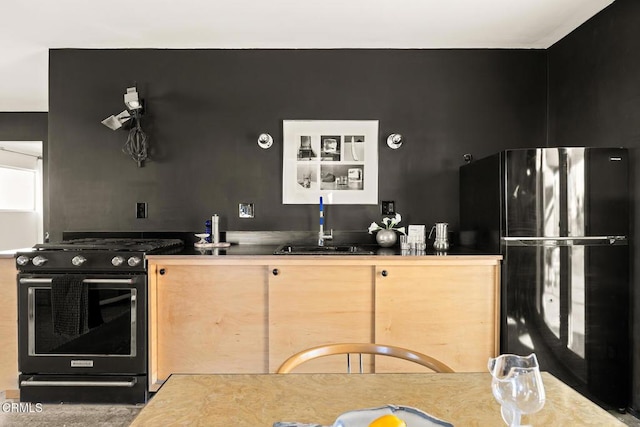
<point>17,189</point>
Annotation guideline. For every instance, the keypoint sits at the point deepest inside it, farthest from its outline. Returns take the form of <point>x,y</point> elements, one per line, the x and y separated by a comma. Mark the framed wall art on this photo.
<point>335,159</point>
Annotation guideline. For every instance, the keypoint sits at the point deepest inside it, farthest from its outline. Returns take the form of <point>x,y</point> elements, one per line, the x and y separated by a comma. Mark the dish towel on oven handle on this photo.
<point>70,304</point>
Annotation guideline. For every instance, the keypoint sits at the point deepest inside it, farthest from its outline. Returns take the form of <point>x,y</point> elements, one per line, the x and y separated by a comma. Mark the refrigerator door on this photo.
<point>569,305</point>
<point>561,192</point>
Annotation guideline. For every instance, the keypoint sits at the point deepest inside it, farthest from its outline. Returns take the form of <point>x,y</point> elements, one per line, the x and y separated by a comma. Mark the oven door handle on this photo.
<point>36,383</point>
<point>28,281</point>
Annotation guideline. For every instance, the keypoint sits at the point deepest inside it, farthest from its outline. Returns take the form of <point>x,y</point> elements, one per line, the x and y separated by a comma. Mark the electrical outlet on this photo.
<point>388,207</point>
<point>245,210</point>
<point>141,210</point>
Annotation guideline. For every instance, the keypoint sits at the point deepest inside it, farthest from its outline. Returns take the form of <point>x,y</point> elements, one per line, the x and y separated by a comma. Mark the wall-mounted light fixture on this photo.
<point>395,140</point>
<point>116,122</point>
<point>265,141</point>
<point>137,144</point>
<point>131,99</point>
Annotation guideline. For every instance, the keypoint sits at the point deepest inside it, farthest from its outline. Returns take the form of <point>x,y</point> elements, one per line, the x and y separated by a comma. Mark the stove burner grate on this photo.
<point>115,244</point>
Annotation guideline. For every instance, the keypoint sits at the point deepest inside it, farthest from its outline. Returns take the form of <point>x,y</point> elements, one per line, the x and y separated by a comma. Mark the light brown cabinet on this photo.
<point>248,314</point>
<point>449,312</point>
<point>312,305</point>
<point>8,327</point>
<point>207,319</point>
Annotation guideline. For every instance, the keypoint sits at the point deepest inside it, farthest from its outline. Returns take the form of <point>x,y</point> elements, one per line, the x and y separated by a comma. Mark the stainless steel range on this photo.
<point>82,320</point>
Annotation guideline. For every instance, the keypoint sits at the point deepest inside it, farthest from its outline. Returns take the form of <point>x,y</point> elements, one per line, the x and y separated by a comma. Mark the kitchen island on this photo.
<point>246,311</point>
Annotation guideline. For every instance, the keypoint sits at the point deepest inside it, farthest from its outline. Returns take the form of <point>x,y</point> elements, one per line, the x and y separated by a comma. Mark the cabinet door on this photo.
<point>448,312</point>
<point>208,319</point>
<point>314,305</point>
<point>8,327</point>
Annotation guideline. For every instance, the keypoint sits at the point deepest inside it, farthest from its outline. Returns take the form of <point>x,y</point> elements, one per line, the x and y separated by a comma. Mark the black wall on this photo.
<point>23,127</point>
<point>205,109</point>
<point>594,100</point>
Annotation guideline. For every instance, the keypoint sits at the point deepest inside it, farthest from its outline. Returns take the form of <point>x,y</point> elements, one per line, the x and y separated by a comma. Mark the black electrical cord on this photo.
<point>137,142</point>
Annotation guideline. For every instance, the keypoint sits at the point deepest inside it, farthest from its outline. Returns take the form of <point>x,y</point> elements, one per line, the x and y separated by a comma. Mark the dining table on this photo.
<point>257,400</point>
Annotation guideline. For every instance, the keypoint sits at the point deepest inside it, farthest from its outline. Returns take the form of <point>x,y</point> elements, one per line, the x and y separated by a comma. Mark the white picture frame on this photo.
<point>335,159</point>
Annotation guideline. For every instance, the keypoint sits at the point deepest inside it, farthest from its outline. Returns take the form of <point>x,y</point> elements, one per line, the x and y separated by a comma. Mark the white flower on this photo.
<point>389,224</point>
<point>394,221</point>
<point>374,227</point>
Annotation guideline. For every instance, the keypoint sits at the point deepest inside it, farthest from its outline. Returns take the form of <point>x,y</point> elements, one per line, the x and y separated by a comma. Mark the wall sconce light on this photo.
<point>395,140</point>
<point>137,144</point>
<point>131,99</point>
<point>265,141</point>
<point>116,122</point>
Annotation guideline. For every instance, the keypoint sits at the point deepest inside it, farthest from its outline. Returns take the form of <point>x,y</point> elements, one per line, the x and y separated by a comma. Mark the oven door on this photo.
<point>112,340</point>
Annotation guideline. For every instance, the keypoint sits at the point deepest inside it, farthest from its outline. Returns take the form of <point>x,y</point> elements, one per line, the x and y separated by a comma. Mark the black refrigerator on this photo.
<point>560,219</point>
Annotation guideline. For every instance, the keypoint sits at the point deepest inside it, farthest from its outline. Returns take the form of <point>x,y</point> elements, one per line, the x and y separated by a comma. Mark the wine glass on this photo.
<point>517,386</point>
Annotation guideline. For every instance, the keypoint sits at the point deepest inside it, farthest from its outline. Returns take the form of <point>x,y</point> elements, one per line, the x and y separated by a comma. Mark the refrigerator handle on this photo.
<point>565,241</point>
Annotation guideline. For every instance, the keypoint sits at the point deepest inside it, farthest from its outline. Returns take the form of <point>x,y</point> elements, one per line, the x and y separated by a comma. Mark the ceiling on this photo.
<point>31,27</point>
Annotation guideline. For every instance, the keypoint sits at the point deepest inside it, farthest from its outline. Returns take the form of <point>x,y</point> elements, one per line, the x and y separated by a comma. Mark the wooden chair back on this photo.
<point>360,349</point>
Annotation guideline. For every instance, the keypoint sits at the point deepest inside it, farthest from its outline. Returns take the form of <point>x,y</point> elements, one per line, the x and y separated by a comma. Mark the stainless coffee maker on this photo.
<point>441,242</point>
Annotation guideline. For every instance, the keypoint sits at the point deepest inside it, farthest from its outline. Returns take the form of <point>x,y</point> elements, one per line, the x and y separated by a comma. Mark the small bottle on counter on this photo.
<point>207,230</point>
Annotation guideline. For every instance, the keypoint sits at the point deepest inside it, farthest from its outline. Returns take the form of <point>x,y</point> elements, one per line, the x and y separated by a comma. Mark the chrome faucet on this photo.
<point>321,235</point>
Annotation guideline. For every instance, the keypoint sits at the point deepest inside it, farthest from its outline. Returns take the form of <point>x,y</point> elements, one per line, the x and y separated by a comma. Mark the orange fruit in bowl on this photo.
<point>388,420</point>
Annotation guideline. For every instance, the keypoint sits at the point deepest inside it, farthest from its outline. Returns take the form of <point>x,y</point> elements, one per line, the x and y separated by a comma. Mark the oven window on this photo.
<point>109,328</point>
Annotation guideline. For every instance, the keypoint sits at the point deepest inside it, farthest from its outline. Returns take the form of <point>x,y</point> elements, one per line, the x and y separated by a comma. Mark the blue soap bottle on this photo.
<point>207,229</point>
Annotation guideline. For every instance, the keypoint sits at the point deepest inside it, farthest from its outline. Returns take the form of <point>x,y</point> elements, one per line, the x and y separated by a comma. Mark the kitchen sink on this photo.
<point>322,250</point>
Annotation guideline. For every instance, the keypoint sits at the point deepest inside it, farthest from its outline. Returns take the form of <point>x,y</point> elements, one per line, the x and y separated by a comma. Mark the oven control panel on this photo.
<point>81,261</point>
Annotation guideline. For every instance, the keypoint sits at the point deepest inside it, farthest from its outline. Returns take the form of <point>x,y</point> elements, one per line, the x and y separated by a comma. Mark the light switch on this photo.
<point>388,207</point>
<point>141,210</point>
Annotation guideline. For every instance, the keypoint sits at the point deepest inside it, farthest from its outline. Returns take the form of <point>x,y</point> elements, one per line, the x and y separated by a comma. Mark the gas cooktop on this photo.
<point>112,244</point>
<point>95,254</point>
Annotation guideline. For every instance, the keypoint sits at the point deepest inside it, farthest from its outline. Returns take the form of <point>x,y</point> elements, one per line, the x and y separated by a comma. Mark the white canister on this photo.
<point>215,229</point>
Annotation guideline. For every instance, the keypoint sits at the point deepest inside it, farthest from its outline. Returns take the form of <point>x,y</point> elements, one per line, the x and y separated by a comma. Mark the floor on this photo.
<point>16,414</point>
<point>628,419</point>
<point>12,414</point>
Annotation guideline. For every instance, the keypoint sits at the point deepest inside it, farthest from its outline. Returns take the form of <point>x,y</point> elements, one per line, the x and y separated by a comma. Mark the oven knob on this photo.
<point>78,260</point>
<point>39,260</point>
<point>134,260</point>
<point>22,260</point>
<point>117,261</point>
